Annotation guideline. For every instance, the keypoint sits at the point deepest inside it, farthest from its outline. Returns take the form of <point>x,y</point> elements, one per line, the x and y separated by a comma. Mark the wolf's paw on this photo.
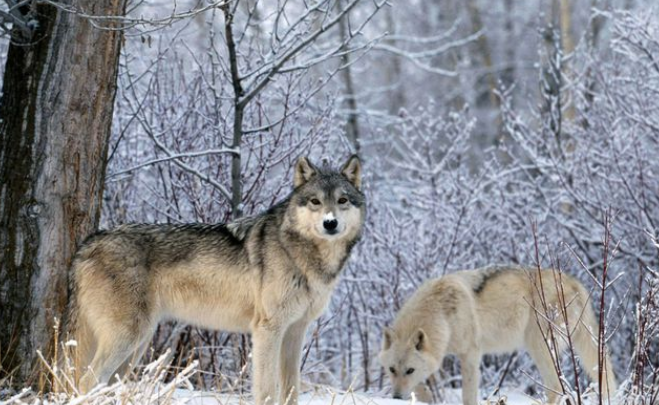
<point>502,400</point>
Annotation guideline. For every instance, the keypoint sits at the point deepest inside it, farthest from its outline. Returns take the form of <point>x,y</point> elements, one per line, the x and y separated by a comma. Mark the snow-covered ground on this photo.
<point>330,397</point>
<point>163,394</point>
<point>155,387</point>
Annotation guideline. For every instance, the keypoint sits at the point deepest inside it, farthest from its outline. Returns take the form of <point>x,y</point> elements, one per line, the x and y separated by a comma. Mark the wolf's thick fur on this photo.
<point>491,310</point>
<point>270,275</point>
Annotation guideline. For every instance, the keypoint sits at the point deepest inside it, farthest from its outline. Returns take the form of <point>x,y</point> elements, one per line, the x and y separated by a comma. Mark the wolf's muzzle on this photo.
<point>330,225</point>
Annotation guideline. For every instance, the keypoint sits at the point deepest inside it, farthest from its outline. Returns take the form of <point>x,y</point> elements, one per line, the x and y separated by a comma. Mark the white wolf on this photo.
<point>270,275</point>
<point>491,310</point>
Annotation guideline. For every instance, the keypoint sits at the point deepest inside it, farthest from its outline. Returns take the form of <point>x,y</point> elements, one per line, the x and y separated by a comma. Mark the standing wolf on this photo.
<point>270,275</point>
<point>490,310</point>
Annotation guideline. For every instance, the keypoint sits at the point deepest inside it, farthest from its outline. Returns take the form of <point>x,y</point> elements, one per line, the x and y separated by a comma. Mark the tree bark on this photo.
<point>484,48</point>
<point>508,75</point>
<point>394,70</point>
<point>567,45</point>
<point>352,125</point>
<point>239,110</point>
<point>55,122</point>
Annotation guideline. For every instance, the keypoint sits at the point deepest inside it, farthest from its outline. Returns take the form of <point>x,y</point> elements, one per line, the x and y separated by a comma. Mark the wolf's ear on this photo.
<point>387,338</point>
<point>420,340</point>
<point>353,171</point>
<point>304,170</point>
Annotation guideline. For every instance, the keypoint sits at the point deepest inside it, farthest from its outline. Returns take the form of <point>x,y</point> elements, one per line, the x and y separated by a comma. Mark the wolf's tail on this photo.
<point>586,345</point>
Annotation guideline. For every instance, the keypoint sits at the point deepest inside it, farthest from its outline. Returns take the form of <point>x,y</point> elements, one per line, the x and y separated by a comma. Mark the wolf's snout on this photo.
<point>397,395</point>
<point>330,224</point>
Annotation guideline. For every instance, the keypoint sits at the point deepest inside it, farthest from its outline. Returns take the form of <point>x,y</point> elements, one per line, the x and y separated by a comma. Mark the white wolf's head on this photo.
<point>408,361</point>
<point>328,204</point>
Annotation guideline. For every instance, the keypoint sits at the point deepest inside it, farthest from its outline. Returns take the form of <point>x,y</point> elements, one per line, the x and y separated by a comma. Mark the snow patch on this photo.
<point>326,396</point>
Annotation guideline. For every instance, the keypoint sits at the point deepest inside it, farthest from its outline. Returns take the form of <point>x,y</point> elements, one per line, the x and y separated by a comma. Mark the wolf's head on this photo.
<point>407,361</point>
<point>327,204</point>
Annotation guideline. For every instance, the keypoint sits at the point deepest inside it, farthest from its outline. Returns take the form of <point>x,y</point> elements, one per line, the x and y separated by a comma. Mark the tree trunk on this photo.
<point>483,46</point>
<point>55,121</point>
<point>508,75</point>
<point>352,125</point>
<point>394,70</point>
<point>238,114</point>
<point>567,45</point>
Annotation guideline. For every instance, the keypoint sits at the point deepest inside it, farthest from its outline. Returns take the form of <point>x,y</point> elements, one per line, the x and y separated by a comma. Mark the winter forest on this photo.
<point>490,132</point>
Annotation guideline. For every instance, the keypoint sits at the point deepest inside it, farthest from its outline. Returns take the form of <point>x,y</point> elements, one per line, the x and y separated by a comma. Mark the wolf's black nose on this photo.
<point>331,224</point>
<point>398,396</point>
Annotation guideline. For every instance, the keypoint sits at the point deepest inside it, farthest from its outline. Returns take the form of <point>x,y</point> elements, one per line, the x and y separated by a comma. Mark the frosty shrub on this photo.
<point>437,203</point>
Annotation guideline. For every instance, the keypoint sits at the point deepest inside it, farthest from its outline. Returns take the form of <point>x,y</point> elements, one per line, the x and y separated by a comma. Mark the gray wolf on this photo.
<point>490,310</point>
<point>270,275</point>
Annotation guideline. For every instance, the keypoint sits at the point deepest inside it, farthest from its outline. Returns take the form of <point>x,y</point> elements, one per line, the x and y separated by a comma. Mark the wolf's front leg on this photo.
<point>267,339</point>
<point>423,393</point>
<point>470,364</point>
<point>291,353</point>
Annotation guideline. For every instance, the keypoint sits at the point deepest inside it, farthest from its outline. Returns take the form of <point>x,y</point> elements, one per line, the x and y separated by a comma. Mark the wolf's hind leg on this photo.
<point>585,342</point>
<point>470,364</point>
<point>83,352</point>
<point>537,348</point>
<point>133,360</point>
<point>111,353</point>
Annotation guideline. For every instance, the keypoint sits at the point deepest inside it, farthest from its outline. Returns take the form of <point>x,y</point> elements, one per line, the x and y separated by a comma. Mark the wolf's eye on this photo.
<point>409,371</point>
<point>343,200</point>
<point>393,370</point>
<point>315,201</point>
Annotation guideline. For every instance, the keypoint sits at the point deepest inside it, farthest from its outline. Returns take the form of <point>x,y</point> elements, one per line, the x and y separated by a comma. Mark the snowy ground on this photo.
<point>167,394</point>
<point>155,388</point>
<point>333,398</point>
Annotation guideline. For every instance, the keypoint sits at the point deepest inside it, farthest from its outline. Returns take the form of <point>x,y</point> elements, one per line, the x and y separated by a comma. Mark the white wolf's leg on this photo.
<point>537,348</point>
<point>267,339</point>
<point>423,393</point>
<point>585,343</point>
<point>291,353</point>
<point>470,364</point>
<point>110,354</point>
